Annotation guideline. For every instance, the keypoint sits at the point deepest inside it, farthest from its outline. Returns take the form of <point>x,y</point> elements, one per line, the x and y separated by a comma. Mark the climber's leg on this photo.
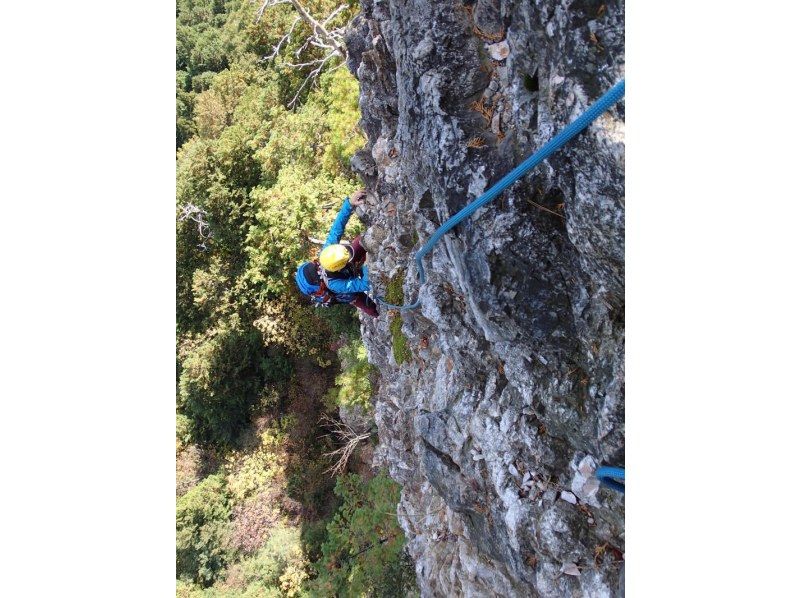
<point>359,253</point>
<point>365,304</point>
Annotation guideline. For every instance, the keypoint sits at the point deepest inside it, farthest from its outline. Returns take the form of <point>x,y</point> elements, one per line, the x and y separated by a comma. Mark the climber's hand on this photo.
<point>358,197</point>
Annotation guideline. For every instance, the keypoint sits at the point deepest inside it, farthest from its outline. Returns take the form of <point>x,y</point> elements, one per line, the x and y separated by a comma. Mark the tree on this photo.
<point>323,36</point>
<point>202,529</point>
<point>222,375</point>
<point>363,554</point>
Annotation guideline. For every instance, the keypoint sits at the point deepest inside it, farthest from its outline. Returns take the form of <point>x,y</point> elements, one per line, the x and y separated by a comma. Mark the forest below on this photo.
<point>264,137</point>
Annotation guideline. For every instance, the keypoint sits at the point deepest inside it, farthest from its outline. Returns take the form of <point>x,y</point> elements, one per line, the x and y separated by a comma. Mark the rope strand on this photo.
<point>611,97</point>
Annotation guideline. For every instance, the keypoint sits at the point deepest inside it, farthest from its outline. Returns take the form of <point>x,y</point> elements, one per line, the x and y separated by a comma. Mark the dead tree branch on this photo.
<point>327,39</point>
<point>322,37</point>
<point>198,215</point>
<point>350,439</point>
<point>283,41</point>
<point>312,76</point>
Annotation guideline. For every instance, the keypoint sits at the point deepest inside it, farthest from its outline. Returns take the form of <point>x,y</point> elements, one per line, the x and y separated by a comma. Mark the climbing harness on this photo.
<point>323,297</point>
<point>611,97</point>
<point>608,477</point>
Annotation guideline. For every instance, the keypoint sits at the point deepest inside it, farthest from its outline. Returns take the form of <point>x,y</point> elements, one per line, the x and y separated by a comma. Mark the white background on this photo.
<point>87,254</point>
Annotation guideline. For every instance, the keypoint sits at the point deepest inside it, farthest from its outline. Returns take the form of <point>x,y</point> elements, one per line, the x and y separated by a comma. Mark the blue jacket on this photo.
<point>337,230</point>
<point>344,287</point>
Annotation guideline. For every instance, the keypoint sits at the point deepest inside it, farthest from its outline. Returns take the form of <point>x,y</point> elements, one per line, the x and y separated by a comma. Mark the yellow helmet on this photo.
<point>334,257</point>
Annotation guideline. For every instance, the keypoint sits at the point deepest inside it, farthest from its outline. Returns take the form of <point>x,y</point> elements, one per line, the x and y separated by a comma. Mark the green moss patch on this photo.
<point>394,289</point>
<point>394,295</point>
<point>400,348</point>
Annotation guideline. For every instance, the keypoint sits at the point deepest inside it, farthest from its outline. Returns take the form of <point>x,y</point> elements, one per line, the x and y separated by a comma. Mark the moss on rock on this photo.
<point>394,295</point>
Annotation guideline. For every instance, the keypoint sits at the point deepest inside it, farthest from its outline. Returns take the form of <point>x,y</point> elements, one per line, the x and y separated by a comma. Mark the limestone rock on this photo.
<point>499,51</point>
<point>516,393</point>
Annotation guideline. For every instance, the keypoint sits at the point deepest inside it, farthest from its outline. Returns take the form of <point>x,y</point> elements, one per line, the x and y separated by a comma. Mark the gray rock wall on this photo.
<point>515,391</point>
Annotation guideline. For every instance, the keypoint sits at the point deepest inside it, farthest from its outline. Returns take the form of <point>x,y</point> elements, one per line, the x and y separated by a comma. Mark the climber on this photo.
<point>339,276</point>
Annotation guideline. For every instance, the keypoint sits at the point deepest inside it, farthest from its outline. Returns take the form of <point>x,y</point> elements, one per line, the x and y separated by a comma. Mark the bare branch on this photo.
<point>311,76</point>
<point>331,40</point>
<point>269,4</point>
<point>351,439</point>
<point>319,29</point>
<point>299,65</point>
<point>284,40</point>
<point>302,48</point>
<point>333,14</point>
<point>198,215</point>
<point>319,44</point>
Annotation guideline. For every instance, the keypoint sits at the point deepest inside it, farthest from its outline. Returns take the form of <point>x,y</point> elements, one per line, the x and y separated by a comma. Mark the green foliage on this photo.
<point>308,481</point>
<point>278,570</point>
<point>341,116</point>
<point>252,471</point>
<point>363,555</point>
<point>279,565</point>
<point>394,295</point>
<point>203,81</point>
<point>184,108</point>
<point>267,176</point>
<point>215,107</point>
<point>208,35</point>
<point>295,327</point>
<point>183,431</point>
<point>342,321</point>
<point>202,516</point>
<point>221,377</point>
<point>213,35</point>
<point>314,535</point>
<point>353,386</point>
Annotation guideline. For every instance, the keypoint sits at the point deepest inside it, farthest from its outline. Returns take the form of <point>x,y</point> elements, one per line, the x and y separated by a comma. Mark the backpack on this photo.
<point>324,296</point>
<point>314,283</point>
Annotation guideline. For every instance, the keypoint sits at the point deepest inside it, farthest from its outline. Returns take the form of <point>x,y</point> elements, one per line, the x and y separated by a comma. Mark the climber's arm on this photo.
<point>337,230</point>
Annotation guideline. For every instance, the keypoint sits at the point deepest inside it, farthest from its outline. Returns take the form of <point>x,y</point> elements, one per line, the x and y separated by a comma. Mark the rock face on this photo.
<point>514,392</point>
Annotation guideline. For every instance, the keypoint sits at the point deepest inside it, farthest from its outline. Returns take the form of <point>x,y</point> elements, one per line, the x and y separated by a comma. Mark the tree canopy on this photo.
<point>262,167</point>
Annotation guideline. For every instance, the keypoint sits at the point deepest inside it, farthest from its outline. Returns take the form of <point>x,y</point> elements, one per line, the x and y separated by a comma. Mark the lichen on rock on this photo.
<point>513,389</point>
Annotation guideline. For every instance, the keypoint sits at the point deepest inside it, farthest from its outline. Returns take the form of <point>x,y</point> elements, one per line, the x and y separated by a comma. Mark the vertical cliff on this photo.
<point>510,386</point>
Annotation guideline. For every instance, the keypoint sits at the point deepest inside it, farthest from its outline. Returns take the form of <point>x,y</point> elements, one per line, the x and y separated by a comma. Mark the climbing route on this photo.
<point>611,97</point>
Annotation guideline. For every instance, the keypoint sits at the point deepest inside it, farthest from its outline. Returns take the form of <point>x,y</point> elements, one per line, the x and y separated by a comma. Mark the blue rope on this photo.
<point>608,477</point>
<point>611,97</point>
